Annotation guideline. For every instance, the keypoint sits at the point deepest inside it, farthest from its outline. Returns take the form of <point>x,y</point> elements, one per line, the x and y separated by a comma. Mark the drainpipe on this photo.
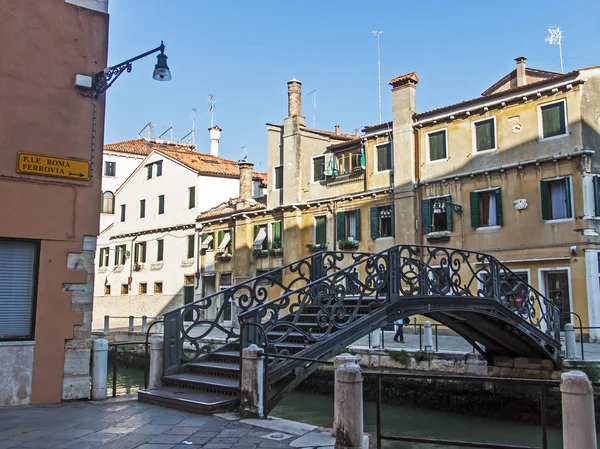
<point>419,195</point>
<point>130,279</point>
<point>198,258</point>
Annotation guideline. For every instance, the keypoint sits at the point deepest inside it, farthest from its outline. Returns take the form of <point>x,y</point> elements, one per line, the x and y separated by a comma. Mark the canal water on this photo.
<point>396,420</point>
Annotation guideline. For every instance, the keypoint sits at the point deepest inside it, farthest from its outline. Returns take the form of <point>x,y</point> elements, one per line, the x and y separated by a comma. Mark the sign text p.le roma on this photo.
<point>35,164</point>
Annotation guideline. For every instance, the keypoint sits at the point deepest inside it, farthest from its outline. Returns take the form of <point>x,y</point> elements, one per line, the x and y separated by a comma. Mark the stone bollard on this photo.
<point>579,425</point>
<point>427,336</point>
<point>348,398</point>
<point>144,323</point>
<point>570,342</point>
<point>130,323</point>
<point>157,355</point>
<point>99,369</point>
<point>376,339</point>
<point>106,324</point>
<point>338,361</point>
<point>252,386</point>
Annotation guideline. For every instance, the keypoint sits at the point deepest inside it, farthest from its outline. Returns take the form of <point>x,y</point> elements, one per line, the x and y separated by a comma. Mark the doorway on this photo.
<point>208,288</point>
<point>558,290</point>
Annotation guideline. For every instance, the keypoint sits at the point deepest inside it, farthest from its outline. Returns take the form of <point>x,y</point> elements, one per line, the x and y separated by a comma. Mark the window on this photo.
<point>124,289</point>
<point>486,208</point>
<point>142,208</point>
<point>348,225</point>
<point>596,185</point>
<point>349,161</point>
<point>122,212</point>
<point>485,134</point>
<point>435,215</point>
<point>384,156</point>
<point>158,287</point>
<point>143,288</point>
<point>225,280</point>
<point>320,235</point>
<point>190,246</point>
<point>382,221</point>
<point>440,281</point>
<point>191,197</point>
<point>436,141</point>
<point>161,204</point>
<point>159,169</point>
<point>103,257</point>
<point>160,244</point>
<point>318,168</point>
<point>108,203</point>
<point>261,239</point>
<point>107,289</point>
<point>276,235</point>
<point>120,254</point>
<point>188,279</point>
<point>224,240</point>
<point>139,255</point>
<point>554,119</point>
<point>278,176</point>
<point>208,242</point>
<point>18,280</point>
<point>556,199</point>
<point>149,171</point>
<point>110,168</point>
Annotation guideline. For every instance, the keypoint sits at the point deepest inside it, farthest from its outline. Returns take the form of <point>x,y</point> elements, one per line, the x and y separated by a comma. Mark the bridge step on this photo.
<point>203,403</point>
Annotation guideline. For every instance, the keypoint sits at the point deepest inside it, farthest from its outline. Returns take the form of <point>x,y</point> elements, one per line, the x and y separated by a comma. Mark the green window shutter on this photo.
<point>568,194</point>
<point>596,183</point>
<point>277,234</point>
<point>143,258</point>
<point>545,202</point>
<point>136,252</point>
<point>341,225</point>
<point>116,255</point>
<point>357,215</point>
<point>437,145</point>
<point>449,212</point>
<point>393,215</point>
<point>553,120</point>
<point>231,240</point>
<point>256,231</point>
<point>484,135</point>
<point>321,230</point>
<point>499,219</point>
<point>474,201</point>
<point>220,237</point>
<point>374,222</point>
<point>426,216</point>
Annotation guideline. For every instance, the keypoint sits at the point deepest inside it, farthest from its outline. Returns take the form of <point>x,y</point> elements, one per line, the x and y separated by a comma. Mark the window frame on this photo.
<point>474,135</point>
<point>149,171</point>
<point>571,198</point>
<point>435,131</point>
<point>161,204</point>
<point>104,257</point>
<point>489,227</point>
<point>191,197</point>
<point>112,204</point>
<point>275,177</point>
<point>312,169</point>
<point>376,158</point>
<point>112,164</point>
<point>541,120</point>
<point>34,288</point>
<point>449,214</point>
<point>143,208</point>
<point>159,168</point>
<point>124,289</point>
<point>160,250</point>
<point>162,288</point>
<point>315,229</point>
<point>145,292</point>
<point>123,212</point>
<point>191,245</point>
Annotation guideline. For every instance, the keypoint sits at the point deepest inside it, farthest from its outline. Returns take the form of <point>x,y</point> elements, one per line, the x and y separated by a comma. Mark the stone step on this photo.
<point>212,368</point>
<point>203,383</point>
<point>203,403</point>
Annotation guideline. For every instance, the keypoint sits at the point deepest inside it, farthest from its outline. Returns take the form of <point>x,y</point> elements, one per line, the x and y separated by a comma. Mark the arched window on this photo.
<point>108,203</point>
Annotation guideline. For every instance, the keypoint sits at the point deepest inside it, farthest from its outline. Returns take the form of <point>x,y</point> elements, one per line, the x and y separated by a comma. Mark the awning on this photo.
<point>260,238</point>
<point>206,242</point>
<point>224,242</point>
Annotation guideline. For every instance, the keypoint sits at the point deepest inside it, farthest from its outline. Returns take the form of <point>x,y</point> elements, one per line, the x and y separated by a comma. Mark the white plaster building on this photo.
<point>147,260</point>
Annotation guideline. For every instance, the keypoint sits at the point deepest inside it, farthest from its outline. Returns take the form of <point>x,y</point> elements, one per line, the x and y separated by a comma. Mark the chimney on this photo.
<point>337,130</point>
<point>521,65</point>
<point>294,97</point>
<point>245,182</point>
<point>215,134</point>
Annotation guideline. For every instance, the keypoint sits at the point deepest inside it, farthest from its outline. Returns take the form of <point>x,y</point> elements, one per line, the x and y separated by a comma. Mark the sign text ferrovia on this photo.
<point>35,164</point>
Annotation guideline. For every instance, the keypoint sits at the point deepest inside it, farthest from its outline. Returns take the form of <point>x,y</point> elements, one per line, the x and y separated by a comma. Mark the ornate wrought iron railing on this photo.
<point>187,326</point>
<point>403,271</point>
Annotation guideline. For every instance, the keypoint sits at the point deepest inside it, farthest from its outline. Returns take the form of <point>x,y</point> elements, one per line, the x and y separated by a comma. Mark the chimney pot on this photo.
<point>294,97</point>
<point>245,168</point>
<point>215,134</point>
<point>337,130</point>
<point>521,74</point>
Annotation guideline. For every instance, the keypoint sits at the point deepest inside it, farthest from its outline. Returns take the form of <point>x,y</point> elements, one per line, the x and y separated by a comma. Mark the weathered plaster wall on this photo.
<point>16,365</point>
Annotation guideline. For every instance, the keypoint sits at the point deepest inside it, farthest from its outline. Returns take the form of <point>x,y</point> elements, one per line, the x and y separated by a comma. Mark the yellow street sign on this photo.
<point>35,164</point>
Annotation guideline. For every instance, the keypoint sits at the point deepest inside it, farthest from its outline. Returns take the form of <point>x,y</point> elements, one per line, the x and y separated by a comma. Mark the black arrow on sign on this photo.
<point>81,175</point>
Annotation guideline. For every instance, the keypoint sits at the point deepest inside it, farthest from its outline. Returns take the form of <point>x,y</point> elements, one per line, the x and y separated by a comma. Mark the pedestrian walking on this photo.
<point>399,337</point>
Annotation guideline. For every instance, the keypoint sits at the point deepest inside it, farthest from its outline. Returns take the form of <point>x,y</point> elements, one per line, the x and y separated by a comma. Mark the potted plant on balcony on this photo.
<point>259,252</point>
<point>439,236</point>
<point>137,266</point>
<point>348,244</point>
<point>315,247</point>
<point>224,256</point>
<point>276,251</point>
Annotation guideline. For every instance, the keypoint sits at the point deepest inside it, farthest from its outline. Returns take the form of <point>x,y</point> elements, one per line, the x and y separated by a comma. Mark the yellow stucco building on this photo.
<point>512,173</point>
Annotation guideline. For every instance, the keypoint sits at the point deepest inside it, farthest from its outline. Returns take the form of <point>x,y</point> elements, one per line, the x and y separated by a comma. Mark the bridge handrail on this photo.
<point>380,284</point>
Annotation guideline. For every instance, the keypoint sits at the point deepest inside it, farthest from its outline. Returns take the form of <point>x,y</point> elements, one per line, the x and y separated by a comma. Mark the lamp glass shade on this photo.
<point>161,69</point>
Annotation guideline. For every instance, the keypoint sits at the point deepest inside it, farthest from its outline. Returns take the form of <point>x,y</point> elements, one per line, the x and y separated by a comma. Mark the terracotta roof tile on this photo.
<point>405,79</point>
<point>331,134</point>
<point>229,207</point>
<point>143,146</point>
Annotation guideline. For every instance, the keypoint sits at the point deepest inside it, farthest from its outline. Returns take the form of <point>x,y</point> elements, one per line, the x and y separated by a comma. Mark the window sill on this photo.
<point>544,139</point>
<point>476,151</point>
<point>488,228</point>
<point>438,160</point>
<point>17,343</point>
<point>377,172</point>
<point>559,220</point>
<point>387,237</point>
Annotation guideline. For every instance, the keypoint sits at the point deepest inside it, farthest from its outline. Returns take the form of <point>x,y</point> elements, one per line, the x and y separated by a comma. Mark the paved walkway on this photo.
<point>125,423</point>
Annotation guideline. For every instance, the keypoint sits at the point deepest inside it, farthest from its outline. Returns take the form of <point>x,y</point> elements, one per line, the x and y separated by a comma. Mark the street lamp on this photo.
<point>101,81</point>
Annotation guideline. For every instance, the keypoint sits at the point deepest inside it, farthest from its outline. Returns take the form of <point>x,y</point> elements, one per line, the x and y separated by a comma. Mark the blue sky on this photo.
<point>244,52</point>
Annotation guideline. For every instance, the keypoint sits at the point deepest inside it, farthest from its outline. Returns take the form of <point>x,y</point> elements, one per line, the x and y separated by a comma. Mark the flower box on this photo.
<point>259,253</point>
<point>439,236</point>
<point>316,247</point>
<point>348,244</point>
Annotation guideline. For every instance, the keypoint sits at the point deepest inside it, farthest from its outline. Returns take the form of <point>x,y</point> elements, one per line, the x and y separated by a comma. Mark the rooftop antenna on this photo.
<point>193,120</point>
<point>314,108</point>
<point>211,109</point>
<point>555,38</point>
<point>245,153</point>
<point>378,33</point>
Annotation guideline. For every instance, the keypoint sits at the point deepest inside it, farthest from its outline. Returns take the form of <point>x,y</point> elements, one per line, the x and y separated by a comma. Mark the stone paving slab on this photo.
<point>125,423</point>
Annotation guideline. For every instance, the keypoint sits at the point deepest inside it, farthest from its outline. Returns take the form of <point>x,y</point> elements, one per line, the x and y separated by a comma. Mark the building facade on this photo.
<point>512,173</point>
<point>147,260</point>
<point>49,228</point>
